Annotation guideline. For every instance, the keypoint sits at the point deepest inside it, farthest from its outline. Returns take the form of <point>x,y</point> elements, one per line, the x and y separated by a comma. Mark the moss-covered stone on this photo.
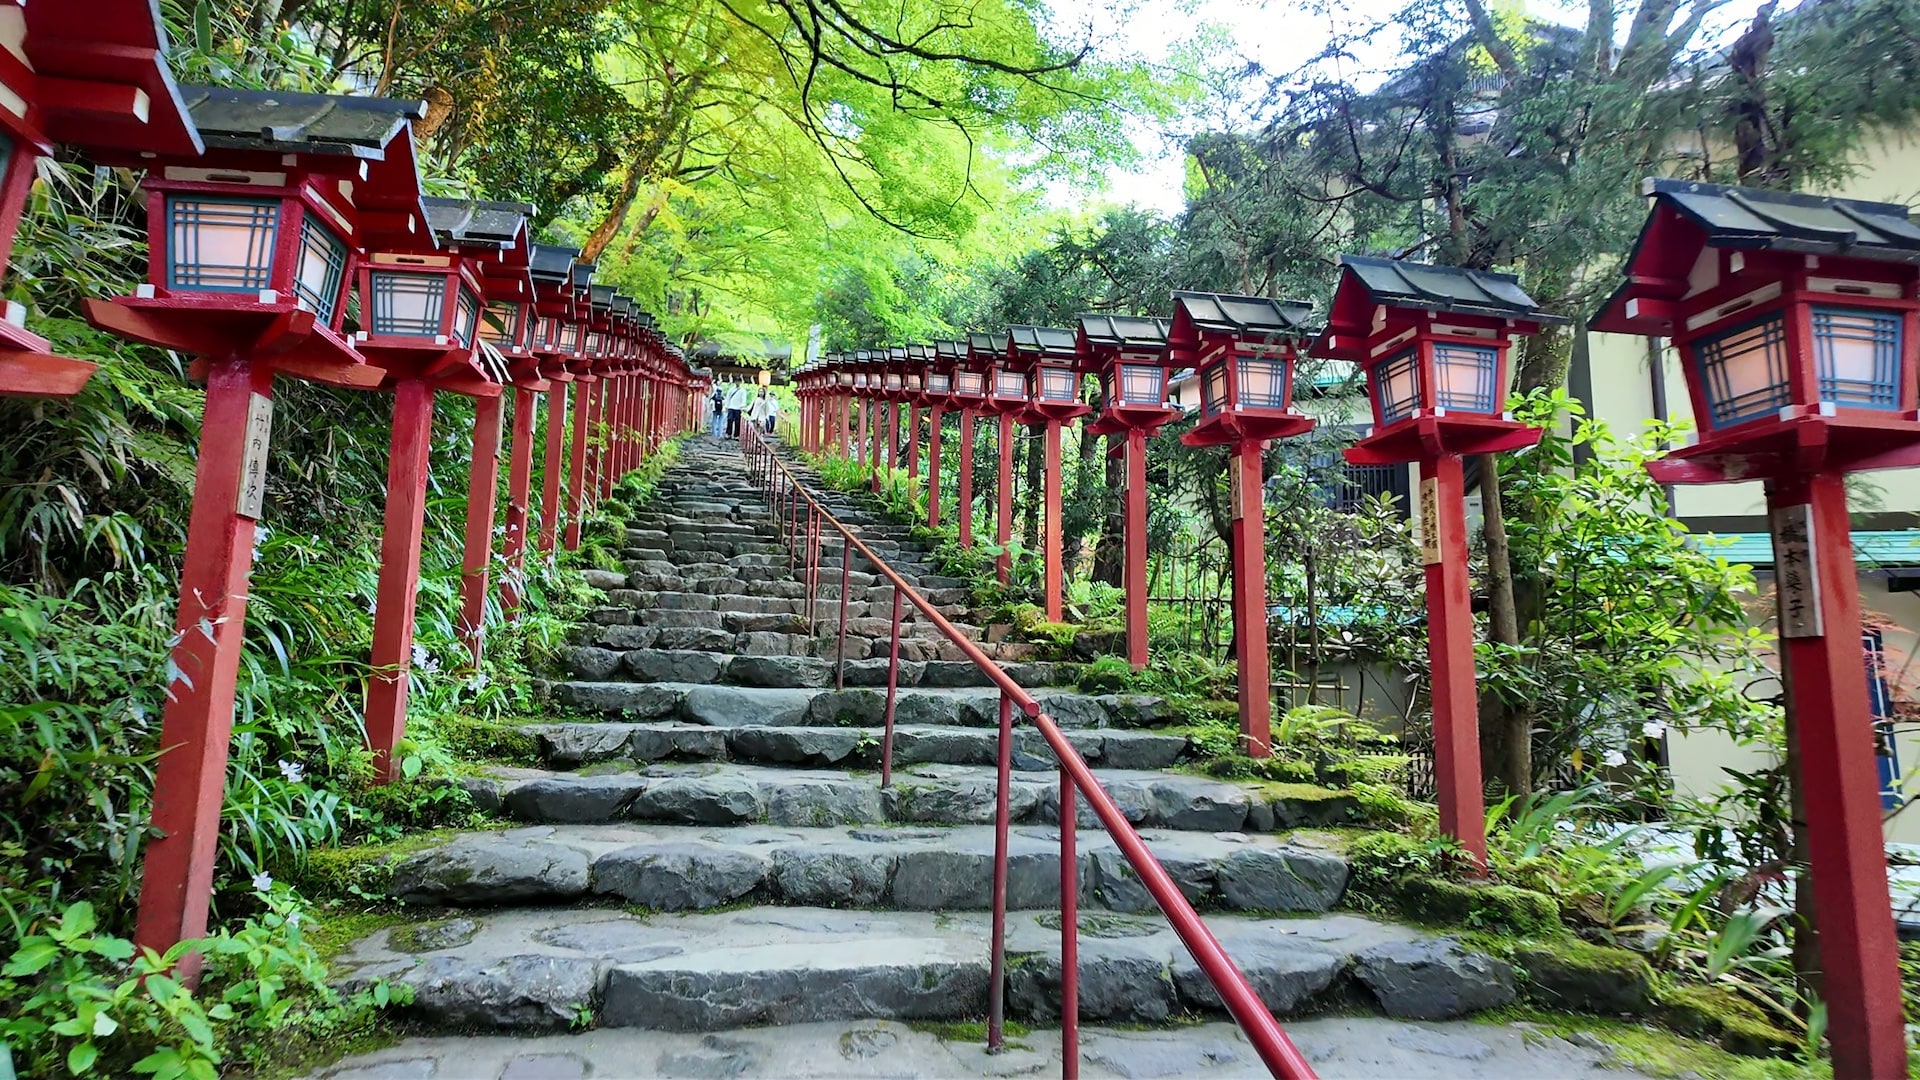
<point>1738,1025</point>
<point>360,870</point>
<point>1296,804</point>
<point>1506,909</point>
<point>1583,977</point>
<point>471,739</point>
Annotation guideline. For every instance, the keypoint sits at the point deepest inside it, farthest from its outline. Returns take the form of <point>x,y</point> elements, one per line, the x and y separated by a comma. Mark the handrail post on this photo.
<point>840,650</point>
<point>893,690</point>
<point>1069,931</point>
<point>1002,823</point>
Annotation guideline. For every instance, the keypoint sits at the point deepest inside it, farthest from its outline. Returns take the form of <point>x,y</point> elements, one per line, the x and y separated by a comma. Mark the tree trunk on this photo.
<point>616,216</point>
<point>1031,498</point>
<point>1510,728</point>
<point>1109,555</point>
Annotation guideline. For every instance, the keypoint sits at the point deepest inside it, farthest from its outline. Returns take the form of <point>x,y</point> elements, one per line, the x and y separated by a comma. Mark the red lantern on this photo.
<point>551,268</point>
<point>1797,319</point>
<point>1047,359</point>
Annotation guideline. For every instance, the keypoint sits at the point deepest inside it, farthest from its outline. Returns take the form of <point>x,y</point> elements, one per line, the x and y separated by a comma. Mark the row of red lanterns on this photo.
<point>1797,322</point>
<point>270,216</point>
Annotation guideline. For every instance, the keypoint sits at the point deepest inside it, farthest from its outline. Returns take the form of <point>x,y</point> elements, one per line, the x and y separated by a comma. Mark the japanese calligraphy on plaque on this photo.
<point>1795,573</point>
<point>1430,520</point>
<point>253,457</point>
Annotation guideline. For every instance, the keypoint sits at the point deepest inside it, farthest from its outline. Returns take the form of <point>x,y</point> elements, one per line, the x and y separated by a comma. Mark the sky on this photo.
<point>1277,35</point>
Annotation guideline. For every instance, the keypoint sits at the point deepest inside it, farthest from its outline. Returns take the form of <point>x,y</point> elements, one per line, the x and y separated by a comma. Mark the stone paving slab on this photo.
<point>729,793</point>
<point>822,706</point>
<point>572,744</point>
<point>544,969</point>
<point>1339,1048</point>
<point>674,868</point>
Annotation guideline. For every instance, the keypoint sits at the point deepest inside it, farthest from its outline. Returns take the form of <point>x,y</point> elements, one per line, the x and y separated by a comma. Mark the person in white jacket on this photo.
<point>773,411</point>
<point>757,414</point>
<point>736,405</point>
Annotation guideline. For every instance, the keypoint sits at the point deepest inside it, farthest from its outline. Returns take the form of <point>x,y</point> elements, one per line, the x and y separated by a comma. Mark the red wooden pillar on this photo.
<point>577,467</point>
<point>556,464</point>
<point>190,777</point>
<point>1456,711</point>
<point>893,435</point>
<point>483,480</point>
<point>913,442</point>
<point>1003,513</point>
<point>1051,543</point>
<point>1832,718</point>
<point>963,491</point>
<point>519,481</point>
<point>933,466</point>
<point>606,432</point>
<point>399,572</point>
<point>1250,598</point>
<point>1135,564</point>
<point>865,449</point>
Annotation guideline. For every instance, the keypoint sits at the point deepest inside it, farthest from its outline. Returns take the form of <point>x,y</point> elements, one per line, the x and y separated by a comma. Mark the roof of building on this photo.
<point>1443,288</point>
<point>1735,217</point>
<point>1894,547</point>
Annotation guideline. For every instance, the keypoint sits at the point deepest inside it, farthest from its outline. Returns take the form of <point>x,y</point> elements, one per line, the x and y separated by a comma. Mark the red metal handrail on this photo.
<point>788,496</point>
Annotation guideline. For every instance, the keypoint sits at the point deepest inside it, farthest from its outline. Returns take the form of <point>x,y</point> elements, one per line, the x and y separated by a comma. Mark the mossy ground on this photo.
<point>1658,1052</point>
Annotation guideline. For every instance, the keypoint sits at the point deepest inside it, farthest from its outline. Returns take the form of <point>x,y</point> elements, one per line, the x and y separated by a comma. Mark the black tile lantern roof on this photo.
<point>1047,340</point>
<point>1444,288</point>
<point>949,350</point>
<point>1129,332</point>
<point>582,274</point>
<point>984,343</point>
<point>1246,316</point>
<point>897,353</point>
<point>1750,218</point>
<point>624,306</point>
<point>601,296</point>
<point>921,353</point>
<point>284,122</point>
<point>463,221</point>
<point>552,263</point>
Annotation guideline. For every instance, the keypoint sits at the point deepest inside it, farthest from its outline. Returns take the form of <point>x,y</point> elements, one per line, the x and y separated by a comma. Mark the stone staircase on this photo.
<point>708,845</point>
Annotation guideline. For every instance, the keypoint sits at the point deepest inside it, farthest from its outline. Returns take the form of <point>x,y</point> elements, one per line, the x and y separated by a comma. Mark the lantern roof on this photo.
<point>920,352</point>
<point>1426,287</point>
<point>625,307</point>
<point>949,350</point>
<point>279,122</point>
<point>1050,343</point>
<point>552,264</point>
<point>97,51</point>
<point>601,296</point>
<point>897,353</point>
<point>465,222</point>
<point>1124,332</point>
<point>1243,317</point>
<point>1689,218</point>
<point>582,273</point>
<point>983,347</point>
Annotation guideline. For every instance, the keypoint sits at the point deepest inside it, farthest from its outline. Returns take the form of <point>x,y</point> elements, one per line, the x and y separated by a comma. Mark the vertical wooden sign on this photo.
<point>1430,520</point>
<point>1795,573</point>
<point>253,463</point>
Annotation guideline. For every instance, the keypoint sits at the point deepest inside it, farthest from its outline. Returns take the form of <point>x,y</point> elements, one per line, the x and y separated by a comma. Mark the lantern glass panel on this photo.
<point>913,380</point>
<point>1213,387</point>
<point>1857,355</point>
<point>1463,377</point>
<point>569,337</point>
<point>220,245</point>
<point>939,383</point>
<point>1743,371</point>
<point>1009,384</point>
<point>407,305</point>
<point>501,326</point>
<point>1396,387</point>
<point>973,383</point>
<point>1142,384</point>
<point>893,380</point>
<point>1058,383</point>
<point>466,316</point>
<point>323,266</point>
<point>1263,382</point>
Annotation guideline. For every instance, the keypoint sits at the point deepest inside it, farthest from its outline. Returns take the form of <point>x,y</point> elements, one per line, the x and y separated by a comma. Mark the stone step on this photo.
<point>715,793</point>
<point>529,969</point>
<point>856,706</point>
<point>772,659</point>
<point>690,868</point>
<point>571,745</point>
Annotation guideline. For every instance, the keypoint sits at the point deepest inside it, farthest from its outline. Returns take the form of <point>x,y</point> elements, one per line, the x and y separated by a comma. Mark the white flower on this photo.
<point>373,606</point>
<point>478,682</point>
<point>1654,729</point>
<point>293,918</point>
<point>1613,759</point>
<point>262,881</point>
<point>260,534</point>
<point>292,771</point>
<point>424,660</point>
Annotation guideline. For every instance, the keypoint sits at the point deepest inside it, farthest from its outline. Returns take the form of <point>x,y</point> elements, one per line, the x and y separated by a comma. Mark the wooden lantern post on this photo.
<point>575,343</point>
<point>491,238</point>
<point>1128,354</point>
<point>1434,342</point>
<point>937,395</point>
<point>88,75</point>
<point>421,296</point>
<point>248,255</point>
<point>1007,401</point>
<point>1047,358</point>
<point>551,268</point>
<point>893,392</point>
<point>510,326</point>
<point>973,371</point>
<point>914,380</point>
<point>1243,349</point>
<point>1797,319</point>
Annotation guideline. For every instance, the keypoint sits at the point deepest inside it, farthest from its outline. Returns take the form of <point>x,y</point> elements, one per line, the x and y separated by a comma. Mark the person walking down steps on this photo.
<point>758,413</point>
<point>736,404</point>
<point>718,423</point>
<point>773,411</point>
